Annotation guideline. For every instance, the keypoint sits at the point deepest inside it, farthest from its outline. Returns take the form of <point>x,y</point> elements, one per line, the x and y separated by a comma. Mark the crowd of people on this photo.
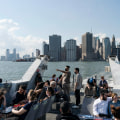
<point>106,103</point>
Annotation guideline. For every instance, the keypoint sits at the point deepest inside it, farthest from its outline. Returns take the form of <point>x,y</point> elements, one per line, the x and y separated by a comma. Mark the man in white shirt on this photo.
<point>78,85</point>
<point>100,106</point>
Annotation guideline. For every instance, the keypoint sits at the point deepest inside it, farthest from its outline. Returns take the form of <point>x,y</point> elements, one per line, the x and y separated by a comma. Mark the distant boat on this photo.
<point>115,69</point>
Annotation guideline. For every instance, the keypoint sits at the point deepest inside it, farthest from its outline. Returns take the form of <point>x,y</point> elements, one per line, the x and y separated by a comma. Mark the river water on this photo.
<point>15,70</point>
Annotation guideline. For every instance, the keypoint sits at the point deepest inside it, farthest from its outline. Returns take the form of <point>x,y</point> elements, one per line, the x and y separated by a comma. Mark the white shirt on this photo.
<point>101,106</point>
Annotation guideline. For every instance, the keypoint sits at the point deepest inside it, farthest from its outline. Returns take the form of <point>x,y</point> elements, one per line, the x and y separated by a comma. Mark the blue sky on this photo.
<point>25,24</point>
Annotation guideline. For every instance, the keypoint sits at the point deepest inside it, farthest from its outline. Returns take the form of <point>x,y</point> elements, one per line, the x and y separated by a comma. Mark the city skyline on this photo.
<point>25,25</point>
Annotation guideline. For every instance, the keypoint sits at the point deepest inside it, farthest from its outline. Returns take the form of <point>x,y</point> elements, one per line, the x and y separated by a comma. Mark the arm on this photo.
<point>95,107</point>
<point>19,112</point>
<point>62,71</point>
<point>4,102</point>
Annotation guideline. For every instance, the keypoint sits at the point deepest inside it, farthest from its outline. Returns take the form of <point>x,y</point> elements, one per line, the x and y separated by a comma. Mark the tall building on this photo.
<point>87,49</point>
<point>94,42</point>
<point>55,47</point>
<point>37,52</point>
<point>45,48</point>
<point>113,42</point>
<point>14,54</point>
<point>70,47</point>
<point>113,47</point>
<point>97,44</point>
<point>106,47</point>
<point>7,54</point>
<point>32,54</point>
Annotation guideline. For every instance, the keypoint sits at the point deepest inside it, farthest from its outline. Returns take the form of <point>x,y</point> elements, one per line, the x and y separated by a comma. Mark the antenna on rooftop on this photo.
<point>91,29</point>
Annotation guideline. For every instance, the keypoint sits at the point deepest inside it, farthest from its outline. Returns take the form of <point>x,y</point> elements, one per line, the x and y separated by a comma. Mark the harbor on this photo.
<point>86,103</point>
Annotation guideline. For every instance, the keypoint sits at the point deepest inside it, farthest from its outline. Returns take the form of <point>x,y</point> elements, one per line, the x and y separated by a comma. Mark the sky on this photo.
<point>25,24</point>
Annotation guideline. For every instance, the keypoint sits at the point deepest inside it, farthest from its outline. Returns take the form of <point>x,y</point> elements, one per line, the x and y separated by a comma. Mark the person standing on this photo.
<point>78,85</point>
<point>66,80</point>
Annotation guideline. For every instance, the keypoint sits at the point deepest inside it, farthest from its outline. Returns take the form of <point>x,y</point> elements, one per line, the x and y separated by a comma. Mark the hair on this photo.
<point>65,107</point>
<point>50,89</point>
<point>102,92</point>
<point>52,83</point>
<point>102,77</point>
<point>53,75</point>
<point>0,80</point>
<point>115,111</point>
<point>1,93</point>
<point>23,87</point>
<point>40,86</point>
<point>48,82</point>
<point>60,76</point>
<point>32,94</point>
<point>77,69</point>
<point>67,66</point>
<point>113,95</point>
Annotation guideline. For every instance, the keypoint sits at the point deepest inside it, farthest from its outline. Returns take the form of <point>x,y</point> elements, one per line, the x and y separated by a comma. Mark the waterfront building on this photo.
<point>94,42</point>
<point>113,47</point>
<point>2,58</point>
<point>106,48</point>
<point>78,52</point>
<point>63,54</point>
<point>26,56</point>
<point>37,52</point>
<point>7,54</point>
<point>87,48</point>
<point>32,55</point>
<point>97,44</point>
<point>55,47</point>
<point>45,48</point>
<point>17,56</point>
<point>70,47</point>
<point>10,56</point>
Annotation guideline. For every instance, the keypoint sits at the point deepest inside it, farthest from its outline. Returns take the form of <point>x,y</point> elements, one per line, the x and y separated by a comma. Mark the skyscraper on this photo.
<point>70,47</point>
<point>7,54</point>
<point>87,49</point>
<point>113,42</point>
<point>37,52</point>
<point>45,48</point>
<point>106,47</point>
<point>55,47</point>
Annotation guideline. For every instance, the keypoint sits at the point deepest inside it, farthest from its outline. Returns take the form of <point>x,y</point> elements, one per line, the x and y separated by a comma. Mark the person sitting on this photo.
<point>2,100</point>
<point>19,95</point>
<point>91,82</point>
<point>49,92</point>
<point>103,82</point>
<point>100,105</point>
<point>116,112</point>
<point>57,90</point>
<point>21,113</point>
<point>38,88</point>
<point>114,102</point>
<point>43,92</point>
<point>66,113</point>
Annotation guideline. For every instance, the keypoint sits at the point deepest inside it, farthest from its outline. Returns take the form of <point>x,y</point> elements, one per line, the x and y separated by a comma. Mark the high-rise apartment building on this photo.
<point>55,47</point>
<point>37,52</point>
<point>106,47</point>
<point>70,47</point>
<point>45,48</point>
<point>87,49</point>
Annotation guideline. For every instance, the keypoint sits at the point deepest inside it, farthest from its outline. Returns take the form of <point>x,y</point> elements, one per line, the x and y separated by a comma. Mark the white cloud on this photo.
<point>8,39</point>
<point>100,35</point>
